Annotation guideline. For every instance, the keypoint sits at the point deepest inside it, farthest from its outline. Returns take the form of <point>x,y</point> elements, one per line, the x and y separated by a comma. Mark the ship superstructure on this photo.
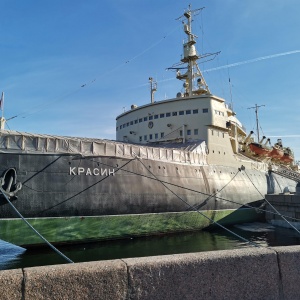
<point>195,115</point>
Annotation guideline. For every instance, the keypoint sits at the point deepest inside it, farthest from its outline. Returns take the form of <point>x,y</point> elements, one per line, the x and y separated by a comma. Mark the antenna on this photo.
<point>256,107</point>
<point>230,89</point>
<point>153,88</point>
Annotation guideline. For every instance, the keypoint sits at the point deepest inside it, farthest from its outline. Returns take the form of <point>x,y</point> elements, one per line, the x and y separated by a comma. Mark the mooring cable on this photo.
<point>273,206</point>
<point>218,191</point>
<point>82,191</point>
<point>199,192</point>
<point>32,228</point>
<point>198,211</point>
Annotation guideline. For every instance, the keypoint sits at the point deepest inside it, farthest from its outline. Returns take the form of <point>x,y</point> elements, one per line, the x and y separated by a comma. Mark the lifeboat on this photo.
<point>259,149</point>
<point>288,156</point>
<point>276,153</point>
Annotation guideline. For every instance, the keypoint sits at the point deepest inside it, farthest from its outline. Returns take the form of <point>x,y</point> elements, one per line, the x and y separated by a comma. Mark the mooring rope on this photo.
<point>32,228</point>
<point>218,191</point>
<point>82,191</point>
<point>199,192</point>
<point>198,211</point>
<point>273,206</point>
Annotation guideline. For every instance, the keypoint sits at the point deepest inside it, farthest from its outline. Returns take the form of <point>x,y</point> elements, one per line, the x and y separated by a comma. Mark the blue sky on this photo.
<point>50,49</point>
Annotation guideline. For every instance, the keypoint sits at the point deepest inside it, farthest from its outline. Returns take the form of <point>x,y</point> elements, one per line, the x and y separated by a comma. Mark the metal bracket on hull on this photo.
<point>9,184</point>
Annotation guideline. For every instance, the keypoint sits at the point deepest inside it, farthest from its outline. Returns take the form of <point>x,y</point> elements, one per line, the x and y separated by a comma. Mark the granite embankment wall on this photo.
<point>250,273</point>
<point>287,205</point>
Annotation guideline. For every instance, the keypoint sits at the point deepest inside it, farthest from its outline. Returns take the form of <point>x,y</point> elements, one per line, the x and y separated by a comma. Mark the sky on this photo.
<point>69,67</point>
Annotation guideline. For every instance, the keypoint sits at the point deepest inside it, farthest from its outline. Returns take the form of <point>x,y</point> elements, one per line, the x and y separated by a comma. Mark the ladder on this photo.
<point>290,174</point>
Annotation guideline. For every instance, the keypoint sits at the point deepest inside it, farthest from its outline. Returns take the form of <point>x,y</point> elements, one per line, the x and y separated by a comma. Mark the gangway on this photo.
<point>285,172</point>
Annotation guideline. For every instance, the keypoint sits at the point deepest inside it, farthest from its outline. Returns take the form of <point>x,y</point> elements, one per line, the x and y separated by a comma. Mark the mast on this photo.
<point>256,107</point>
<point>190,57</point>
<point>153,88</point>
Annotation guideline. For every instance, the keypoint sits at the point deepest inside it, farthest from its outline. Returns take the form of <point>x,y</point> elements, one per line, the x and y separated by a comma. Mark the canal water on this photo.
<point>264,235</point>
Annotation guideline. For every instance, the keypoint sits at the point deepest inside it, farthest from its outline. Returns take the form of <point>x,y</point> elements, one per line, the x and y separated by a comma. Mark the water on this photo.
<point>13,257</point>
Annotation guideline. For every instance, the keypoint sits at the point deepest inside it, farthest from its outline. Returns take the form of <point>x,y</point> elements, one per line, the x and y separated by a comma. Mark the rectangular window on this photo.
<point>124,125</point>
<point>181,113</point>
<point>131,123</point>
<point>140,120</point>
<point>121,126</point>
<point>146,118</point>
<point>141,138</point>
<point>150,117</point>
<point>188,112</point>
<point>195,111</point>
<point>205,110</point>
<point>168,115</point>
<point>180,132</point>
<point>195,131</point>
<point>188,132</point>
<point>127,124</point>
<point>135,121</point>
<point>162,134</point>
<point>156,135</point>
<point>150,136</point>
<point>174,113</point>
<point>155,116</point>
<point>145,137</point>
<point>162,115</point>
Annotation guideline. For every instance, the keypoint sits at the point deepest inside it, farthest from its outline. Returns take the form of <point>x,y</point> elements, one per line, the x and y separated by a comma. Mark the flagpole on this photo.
<point>2,104</point>
<point>2,122</point>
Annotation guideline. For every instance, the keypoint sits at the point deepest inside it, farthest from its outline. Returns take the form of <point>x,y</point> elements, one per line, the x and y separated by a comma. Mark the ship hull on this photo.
<point>72,199</point>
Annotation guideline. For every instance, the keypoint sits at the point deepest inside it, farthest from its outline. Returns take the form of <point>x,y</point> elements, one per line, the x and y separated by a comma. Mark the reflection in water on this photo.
<point>259,233</point>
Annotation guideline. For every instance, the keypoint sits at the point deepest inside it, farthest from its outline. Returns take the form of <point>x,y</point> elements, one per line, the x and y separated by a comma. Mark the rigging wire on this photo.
<point>90,82</point>
<point>33,229</point>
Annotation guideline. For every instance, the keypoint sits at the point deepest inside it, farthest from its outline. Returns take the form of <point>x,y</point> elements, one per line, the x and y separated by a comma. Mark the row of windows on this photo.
<point>217,112</point>
<point>163,115</point>
<point>162,134</point>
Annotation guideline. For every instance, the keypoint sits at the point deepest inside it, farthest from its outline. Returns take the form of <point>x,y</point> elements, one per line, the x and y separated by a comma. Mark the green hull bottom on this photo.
<point>88,229</point>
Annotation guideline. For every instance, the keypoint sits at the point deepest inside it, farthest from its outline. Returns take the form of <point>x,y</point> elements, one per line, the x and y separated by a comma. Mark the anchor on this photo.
<point>9,184</point>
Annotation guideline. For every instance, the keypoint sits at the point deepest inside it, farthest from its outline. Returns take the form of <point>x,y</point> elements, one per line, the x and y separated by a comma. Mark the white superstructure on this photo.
<point>195,115</point>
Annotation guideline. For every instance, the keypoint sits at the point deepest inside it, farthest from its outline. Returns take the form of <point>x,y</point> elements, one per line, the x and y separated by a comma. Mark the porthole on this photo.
<point>150,124</point>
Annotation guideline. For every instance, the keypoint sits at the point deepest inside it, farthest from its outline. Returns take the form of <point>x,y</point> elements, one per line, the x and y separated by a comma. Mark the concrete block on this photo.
<point>92,280</point>
<point>11,284</point>
<point>289,264</point>
<point>250,273</point>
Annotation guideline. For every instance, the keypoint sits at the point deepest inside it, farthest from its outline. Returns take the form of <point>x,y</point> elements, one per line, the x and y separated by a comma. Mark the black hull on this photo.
<point>66,185</point>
